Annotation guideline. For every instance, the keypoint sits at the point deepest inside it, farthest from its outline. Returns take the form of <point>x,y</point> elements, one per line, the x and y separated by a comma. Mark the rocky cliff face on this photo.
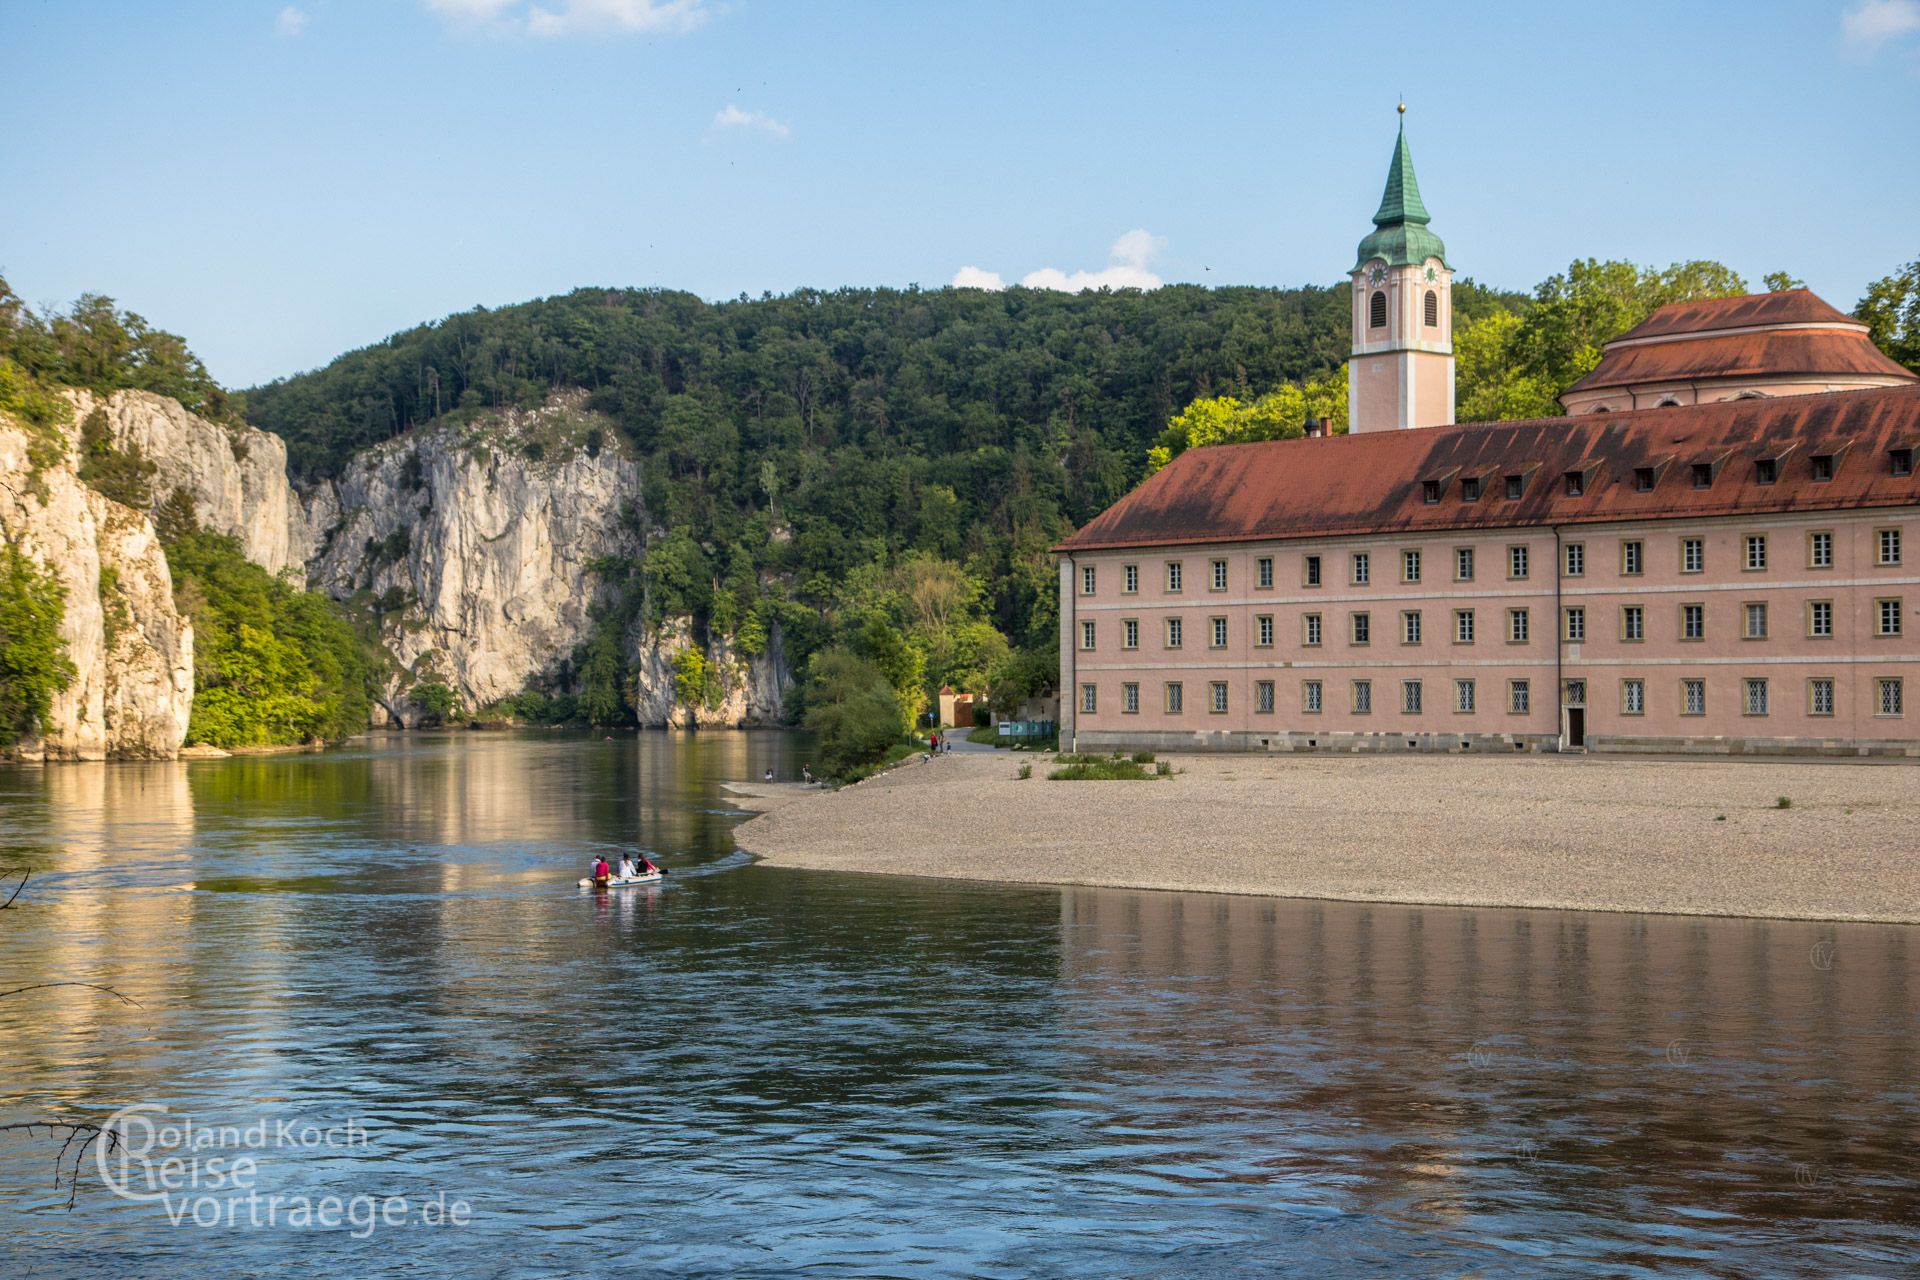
<point>132,652</point>
<point>753,688</point>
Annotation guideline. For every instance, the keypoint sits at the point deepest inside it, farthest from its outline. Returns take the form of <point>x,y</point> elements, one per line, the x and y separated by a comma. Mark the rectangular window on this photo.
<point>1518,627</point>
<point>1822,464</point>
<point>1889,540</point>
<point>1463,696</point>
<point>1633,622</point>
<point>1633,697</point>
<point>1310,697</point>
<point>1576,560</point>
<point>1089,699</point>
<point>1130,579</point>
<point>1643,479</point>
<point>1463,564</point>
<point>1702,475</point>
<point>1130,634</point>
<point>1576,693</point>
<point>1516,562</point>
<point>1313,571</point>
<point>1633,558</point>
<point>1820,696</point>
<point>1410,697</point>
<point>1174,576</point>
<point>1463,626</point>
<point>1519,697</point>
<point>1886,617</point>
<point>1410,566</point>
<point>1693,622</point>
<point>1430,490</point>
<point>1410,627</point>
<point>1217,697</point>
<point>1693,697</point>
<point>1515,486</point>
<point>1363,697</point>
<point>1820,619</point>
<point>1086,580</point>
<point>1900,461</point>
<point>1756,551</point>
<point>1219,581</point>
<point>1263,630</point>
<point>1130,699</point>
<point>1265,571</point>
<point>1086,635</point>
<point>1362,568</point>
<point>1176,698</point>
<point>1362,628</point>
<point>1219,637</point>
<point>1576,483</point>
<point>1820,550</point>
<point>1756,621</point>
<point>1576,624</point>
<point>1263,696</point>
<point>1310,629</point>
<point>1890,696</point>
<point>1176,632</point>
<point>1470,488</point>
<point>1766,471</point>
<point>1693,555</point>
<point>1756,691</point>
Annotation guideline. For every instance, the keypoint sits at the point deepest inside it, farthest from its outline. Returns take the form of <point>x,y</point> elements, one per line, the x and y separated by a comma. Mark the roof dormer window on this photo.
<point>1515,485</point>
<point>1430,490</point>
<point>1822,466</point>
<point>1576,483</point>
<point>1470,489</point>
<point>1643,479</point>
<point>1703,475</point>
<point>1901,461</point>
<point>1766,471</point>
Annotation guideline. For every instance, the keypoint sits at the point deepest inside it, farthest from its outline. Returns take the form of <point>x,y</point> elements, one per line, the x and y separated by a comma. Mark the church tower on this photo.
<point>1401,372</point>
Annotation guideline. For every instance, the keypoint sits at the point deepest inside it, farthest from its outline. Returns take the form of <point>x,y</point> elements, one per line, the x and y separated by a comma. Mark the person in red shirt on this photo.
<point>601,870</point>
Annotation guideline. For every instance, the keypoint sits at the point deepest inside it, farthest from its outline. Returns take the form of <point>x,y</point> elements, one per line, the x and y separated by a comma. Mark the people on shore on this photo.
<point>769,777</point>
<point>806,775</point>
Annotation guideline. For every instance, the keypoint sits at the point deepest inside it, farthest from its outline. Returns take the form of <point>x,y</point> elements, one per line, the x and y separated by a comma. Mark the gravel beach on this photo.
<point>1694,837</point>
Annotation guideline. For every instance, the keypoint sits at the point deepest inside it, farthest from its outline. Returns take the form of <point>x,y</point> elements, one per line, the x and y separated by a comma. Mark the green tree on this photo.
<point>851,707</point>
<point>124,475</point>
<point>1891,311</point>
<point>33,658</point>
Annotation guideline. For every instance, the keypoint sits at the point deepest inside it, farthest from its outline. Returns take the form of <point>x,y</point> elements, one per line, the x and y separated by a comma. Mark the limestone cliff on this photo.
<point>751,689</point>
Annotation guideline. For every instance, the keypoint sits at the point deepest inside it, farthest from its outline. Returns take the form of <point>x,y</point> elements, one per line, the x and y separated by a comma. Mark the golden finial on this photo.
<point>1403,108</point>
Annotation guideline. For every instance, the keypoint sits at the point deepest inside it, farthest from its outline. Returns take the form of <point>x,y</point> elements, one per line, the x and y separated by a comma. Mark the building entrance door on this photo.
<point>1575,704</point>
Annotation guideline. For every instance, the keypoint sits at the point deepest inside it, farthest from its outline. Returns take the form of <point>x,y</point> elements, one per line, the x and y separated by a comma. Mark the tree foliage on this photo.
<point>1891,311</point>
<point>852,708</point>
<point>97,346</point>
<point>33,658</point>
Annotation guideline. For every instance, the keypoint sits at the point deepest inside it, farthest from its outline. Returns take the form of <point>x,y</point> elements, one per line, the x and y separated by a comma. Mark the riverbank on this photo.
<point>1694,837</point>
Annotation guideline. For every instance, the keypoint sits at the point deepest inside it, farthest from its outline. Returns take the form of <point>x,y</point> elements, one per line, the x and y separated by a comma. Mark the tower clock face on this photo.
<point>1377,275</point>
<point>1432,275</point>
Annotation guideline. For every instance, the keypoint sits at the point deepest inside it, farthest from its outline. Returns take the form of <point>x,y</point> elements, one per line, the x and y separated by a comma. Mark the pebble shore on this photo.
<point>1692,837</point>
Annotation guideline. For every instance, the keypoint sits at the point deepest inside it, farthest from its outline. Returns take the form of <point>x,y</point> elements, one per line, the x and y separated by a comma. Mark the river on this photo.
<point>376,961</point>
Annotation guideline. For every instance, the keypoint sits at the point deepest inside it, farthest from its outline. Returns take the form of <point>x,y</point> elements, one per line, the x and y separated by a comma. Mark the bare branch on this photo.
<point>91,986</point>
<point>25,874</point>
<point>69,1158</point>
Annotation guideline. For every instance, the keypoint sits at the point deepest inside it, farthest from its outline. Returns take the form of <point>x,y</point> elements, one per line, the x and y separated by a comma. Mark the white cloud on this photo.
<point>572,17</point>
<point>291,22</point>
<point>1872,23</point>
<point>1126,269</point>
<point>732,117</point>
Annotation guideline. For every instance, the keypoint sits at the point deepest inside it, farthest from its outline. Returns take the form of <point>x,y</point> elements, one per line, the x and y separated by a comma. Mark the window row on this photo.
<point>1821,468</point>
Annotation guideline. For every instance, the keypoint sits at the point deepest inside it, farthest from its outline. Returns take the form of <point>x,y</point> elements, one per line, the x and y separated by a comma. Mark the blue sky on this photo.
<point>280,183</point>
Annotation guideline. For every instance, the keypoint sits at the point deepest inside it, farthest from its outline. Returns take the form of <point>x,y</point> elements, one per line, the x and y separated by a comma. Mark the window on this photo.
<point>1086,580</point>
<point>1576,483</point>
<point>1311,629</point>
<point>1820,619</point>
<point>1219,637</point>
<point>1313,571</point>
<point>1463,626</point>
<point>1756,621</point>
<point>1702,475</point>
<point>1693,622</point>
<point>1693,697</point>
<point>1820,550</point>
<point>1263,696</point>
<point>1310,697</point>
<point>1643,479</point>
<point>1362,568</point>
<point>1889,696</point>
<point>1515,486</point>
<point>1176,698</point>
<point>1377,310</point>
<point>1410,697</point>
<point>1519,697</point>
<point>1516,562</point>
<point>1130,699</point>
<point>1086,635</point>
<point>1433,310</point>
<point>1173,577</point>
<point>1130,578</point>
<point>1889,543</point>
<point>1264,569</point>
<point>1576,693</point>
<point>1410,566</point>
<point>1089,699</point>
<point>1756,551</point>
<point>1766,471</point>
<point>1633,622</point>
<point>1693,555</point>
<point>1820,696</point>
<point>1430,490</point>
<point>1263,630</point>
<point>1175,633</point>
<point>1517,626</point>
<point>1362,628</point>
<point>1576,554</point>
<point>1901,461</point>
<point>1633,697</point>
<point>1470,489</point>
<point>1822,464</point>
<point>1130,633</point>
<point>1410,627</point>
<point>1463,564</point>
<point>1756,697</point>
<point>1217,697</point>
<point>1363,697</point>
<point>1633,558</point>
<point>1576,624</point>
<point>1219,581</point>
<point>1463,696</point>
<point>1886,617</point>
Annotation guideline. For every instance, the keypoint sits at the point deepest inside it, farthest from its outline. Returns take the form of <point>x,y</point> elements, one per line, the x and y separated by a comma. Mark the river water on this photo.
<point>750,1071</point>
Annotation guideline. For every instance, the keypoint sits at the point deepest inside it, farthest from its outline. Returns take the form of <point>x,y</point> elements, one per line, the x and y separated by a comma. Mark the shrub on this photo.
<point>852,707</point>
<point>1143,757</point>
<point>124,475</point>
<point>1026,771</point>
<point>1784,802</point>
<point>438,702</point>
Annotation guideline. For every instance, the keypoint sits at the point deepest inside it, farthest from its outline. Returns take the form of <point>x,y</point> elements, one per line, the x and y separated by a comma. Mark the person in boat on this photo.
<point>601,871</point>
<point>646,867</point>
<point>626,867</point>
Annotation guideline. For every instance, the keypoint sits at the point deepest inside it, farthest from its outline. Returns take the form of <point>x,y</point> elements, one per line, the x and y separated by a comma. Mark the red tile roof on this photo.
<point>1372,483</point>
<point>1791,306</point>
<point>1777,355</point>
